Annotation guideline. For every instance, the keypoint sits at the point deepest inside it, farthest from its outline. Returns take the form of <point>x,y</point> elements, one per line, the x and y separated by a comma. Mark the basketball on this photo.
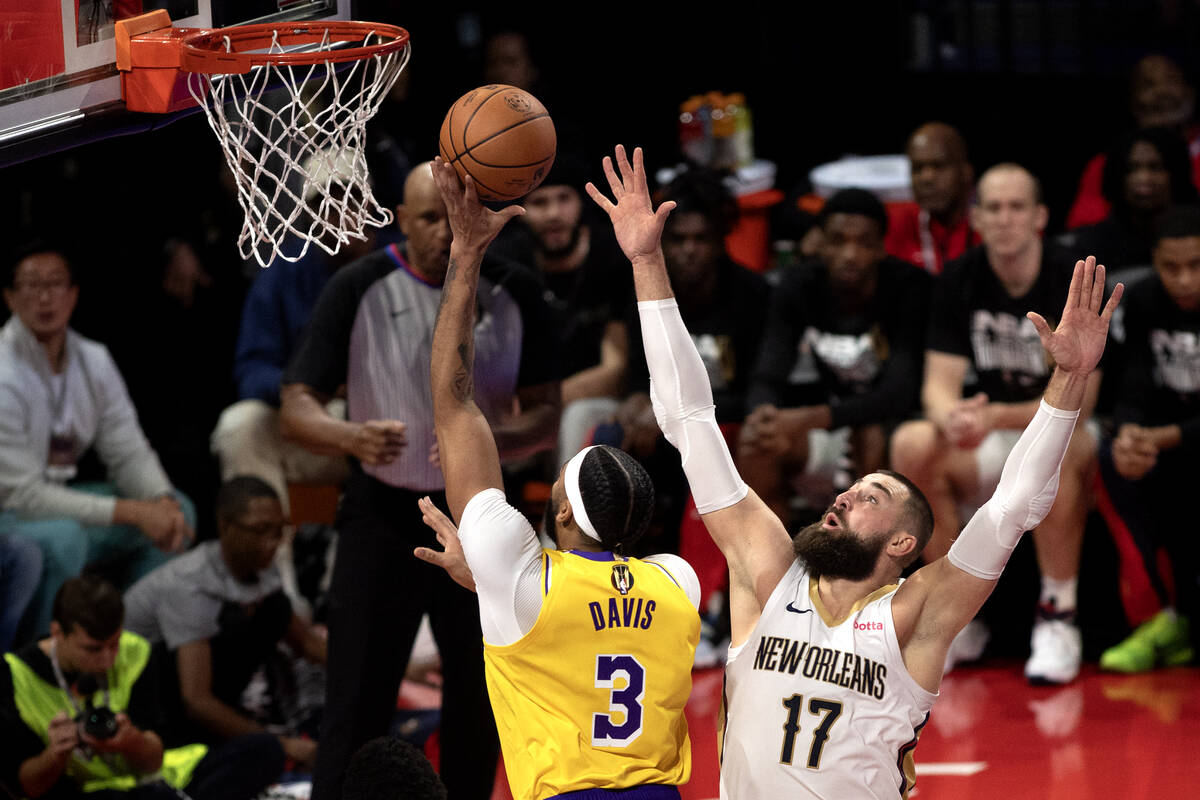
<point>502,137</point>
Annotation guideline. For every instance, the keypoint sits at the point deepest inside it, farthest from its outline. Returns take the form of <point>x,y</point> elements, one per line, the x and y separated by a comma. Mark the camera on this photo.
<point>98,722</point>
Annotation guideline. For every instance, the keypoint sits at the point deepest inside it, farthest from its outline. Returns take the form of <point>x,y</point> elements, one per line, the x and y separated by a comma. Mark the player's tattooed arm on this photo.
<point>466,447</point>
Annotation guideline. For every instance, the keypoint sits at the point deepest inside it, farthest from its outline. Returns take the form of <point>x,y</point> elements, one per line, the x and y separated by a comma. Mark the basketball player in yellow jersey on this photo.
<point>834,662</point>
<point>588,654</point>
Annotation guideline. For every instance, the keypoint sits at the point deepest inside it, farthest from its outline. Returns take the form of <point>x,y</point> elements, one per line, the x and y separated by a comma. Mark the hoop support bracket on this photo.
<point>148,58</point>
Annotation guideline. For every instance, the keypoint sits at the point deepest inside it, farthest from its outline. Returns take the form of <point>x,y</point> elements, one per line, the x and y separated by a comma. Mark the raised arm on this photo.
<point>752,539</point>
<point>935,604</point>
<point>466,447</point>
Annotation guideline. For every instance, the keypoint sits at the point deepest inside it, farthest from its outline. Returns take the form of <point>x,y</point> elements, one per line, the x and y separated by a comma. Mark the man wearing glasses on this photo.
<point>60,396</point>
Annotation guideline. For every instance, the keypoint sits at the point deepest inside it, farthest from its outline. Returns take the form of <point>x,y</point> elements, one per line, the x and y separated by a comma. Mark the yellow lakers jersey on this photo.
<point>593,695</point>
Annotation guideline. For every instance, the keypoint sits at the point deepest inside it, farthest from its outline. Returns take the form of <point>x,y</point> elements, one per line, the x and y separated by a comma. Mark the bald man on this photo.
<point>371,330</point>
<point>978,328</point>
<point>934,229</point>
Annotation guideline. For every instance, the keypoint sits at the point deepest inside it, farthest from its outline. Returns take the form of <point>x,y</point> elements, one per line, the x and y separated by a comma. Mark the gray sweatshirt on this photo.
<point>100,415</point>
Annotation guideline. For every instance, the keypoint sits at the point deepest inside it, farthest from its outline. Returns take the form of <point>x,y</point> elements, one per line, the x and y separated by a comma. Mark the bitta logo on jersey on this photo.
<point>622,578</point>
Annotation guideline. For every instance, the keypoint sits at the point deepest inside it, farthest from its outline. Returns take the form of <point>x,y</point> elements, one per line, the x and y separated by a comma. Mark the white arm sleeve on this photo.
<point>505,557</point>
<point>681,572</point>
<point>1021,501</point>
<point>683,406</point>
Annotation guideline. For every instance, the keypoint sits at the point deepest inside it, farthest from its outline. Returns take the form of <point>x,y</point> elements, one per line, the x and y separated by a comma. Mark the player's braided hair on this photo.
<point>618,496</point>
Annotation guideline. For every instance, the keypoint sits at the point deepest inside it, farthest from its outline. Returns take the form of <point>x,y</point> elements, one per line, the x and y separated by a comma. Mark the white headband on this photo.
<point>571,484</point>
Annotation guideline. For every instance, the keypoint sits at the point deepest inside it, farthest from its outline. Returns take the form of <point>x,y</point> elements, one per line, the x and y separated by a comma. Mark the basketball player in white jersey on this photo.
<point>834,662</point>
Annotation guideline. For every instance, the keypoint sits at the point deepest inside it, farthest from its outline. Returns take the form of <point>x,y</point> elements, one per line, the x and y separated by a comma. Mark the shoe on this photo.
<point>967,646</point>
<point>1057,649</point>
<point>1162,640</point>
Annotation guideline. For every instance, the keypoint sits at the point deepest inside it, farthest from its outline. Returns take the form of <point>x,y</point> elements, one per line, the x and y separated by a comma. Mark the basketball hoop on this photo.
<point>289,103</point>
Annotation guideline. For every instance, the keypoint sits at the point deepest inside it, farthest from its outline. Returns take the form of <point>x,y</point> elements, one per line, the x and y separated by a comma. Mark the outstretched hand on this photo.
<point>1078,342</point>
<point>472,225</point>
<point>636,223</point>
<point>451,558</point>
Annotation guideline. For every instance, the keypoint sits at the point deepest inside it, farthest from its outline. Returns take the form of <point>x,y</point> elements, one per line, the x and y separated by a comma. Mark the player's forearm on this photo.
<point>304,419</point>
<point>1025,494</point>
<point>650,280</point>
<point>1066,390</point>
<point>684,409</point>
<point>453,358</point>
<point>1012,416</point>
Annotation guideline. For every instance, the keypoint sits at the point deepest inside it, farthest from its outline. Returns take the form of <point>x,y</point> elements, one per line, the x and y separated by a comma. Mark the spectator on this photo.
<point>246,439</point>
<point>1151,461</point>
<point>20,571</point>
<point>1146,173</point>
<point>588,287</point>
<point>1160,96</point>
<point>61,395</point>
<point>955,454</point>
<point>724,305</point>
<point>218,612</point>
<point>371,330</point>
<point>936,228</point>
<point>391,769</point>
<point>52,693</point>
<point>507,59</point>
<point>840,360</point>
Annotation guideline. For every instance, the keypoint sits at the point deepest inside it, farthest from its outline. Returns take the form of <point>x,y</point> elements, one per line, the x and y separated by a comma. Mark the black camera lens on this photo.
<point>100,723</point>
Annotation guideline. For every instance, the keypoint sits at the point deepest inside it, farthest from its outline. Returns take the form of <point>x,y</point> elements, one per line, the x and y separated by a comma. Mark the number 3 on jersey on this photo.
<point>625,678</point>
<point>794,704</point>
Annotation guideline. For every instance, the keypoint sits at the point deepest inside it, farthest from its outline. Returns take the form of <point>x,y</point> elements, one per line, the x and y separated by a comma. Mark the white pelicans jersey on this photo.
<point>818,707</point>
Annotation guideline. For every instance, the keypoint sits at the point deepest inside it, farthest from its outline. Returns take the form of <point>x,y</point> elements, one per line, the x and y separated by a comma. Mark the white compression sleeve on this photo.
<point>1022,499</point>
<point>683,406</point>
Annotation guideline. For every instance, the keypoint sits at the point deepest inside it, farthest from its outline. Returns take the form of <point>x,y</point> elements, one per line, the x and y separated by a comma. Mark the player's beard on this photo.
<point>838,553</point>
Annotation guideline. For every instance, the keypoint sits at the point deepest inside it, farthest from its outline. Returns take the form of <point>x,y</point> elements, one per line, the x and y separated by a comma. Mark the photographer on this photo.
<point>78,712</point>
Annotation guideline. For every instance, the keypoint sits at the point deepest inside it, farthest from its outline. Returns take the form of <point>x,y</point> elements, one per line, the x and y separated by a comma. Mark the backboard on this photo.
<point>58,77</point>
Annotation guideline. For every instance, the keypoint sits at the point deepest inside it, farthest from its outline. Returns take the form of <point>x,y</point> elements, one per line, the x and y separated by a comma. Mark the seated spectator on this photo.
<point>246,439</point>
<point>840,359</point>
<point>1151,462</point>
<point>219,611</point>
<point>978,326</point>
<point>1146,173</point>
<point>60,396</point>
<point>588,286</point>
<point>724,305</point>
<point>936,228</point>
<point>1160,96</point>
<point>390,769</point>
<point>20,571</point>
<point>59,741</point>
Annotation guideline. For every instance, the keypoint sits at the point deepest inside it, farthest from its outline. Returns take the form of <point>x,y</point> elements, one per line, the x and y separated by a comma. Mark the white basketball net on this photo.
<point>272,121</point>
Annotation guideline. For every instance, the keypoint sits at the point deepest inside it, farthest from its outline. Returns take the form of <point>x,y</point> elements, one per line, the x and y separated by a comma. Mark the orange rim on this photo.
<point>224,51</point>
